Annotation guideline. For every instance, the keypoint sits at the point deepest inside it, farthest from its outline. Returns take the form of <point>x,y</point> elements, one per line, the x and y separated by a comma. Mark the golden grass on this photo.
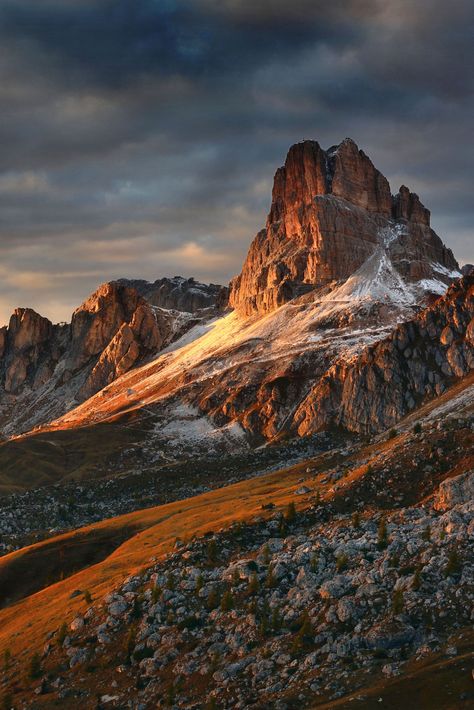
<point>152,533</point>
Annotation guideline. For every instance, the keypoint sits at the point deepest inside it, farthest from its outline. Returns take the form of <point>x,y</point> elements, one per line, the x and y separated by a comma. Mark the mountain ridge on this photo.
<point>340,263</point>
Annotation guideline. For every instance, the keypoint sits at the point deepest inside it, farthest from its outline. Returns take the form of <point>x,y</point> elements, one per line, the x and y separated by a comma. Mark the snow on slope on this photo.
<point>335,324</point>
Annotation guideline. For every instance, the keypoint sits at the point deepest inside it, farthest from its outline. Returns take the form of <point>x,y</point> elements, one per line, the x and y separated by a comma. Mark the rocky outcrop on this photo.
<point>455,491</point>
<point>418,361</point>
<point>29,347</point>
<point>146,333</point>
<point>180,294</point>
<point>98,319</point>
<point>45,369</point>
<point>329,209</point>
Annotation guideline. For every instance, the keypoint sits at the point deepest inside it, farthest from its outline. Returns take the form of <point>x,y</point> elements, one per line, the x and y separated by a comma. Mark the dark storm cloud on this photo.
<point>140,138</point>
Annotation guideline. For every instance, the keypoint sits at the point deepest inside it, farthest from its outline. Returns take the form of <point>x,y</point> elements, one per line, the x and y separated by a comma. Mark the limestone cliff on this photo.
<point>327,213</point>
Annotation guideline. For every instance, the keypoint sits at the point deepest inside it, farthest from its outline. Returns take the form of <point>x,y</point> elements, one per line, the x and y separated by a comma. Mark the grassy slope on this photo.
<point>111,550</point>
<point>25,624</point>
<point>46,458</point>
<point>433,683</point>
<point>106,552</point>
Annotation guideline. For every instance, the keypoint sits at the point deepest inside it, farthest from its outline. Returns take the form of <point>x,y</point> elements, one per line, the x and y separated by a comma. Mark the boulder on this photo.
<point>455,491</point>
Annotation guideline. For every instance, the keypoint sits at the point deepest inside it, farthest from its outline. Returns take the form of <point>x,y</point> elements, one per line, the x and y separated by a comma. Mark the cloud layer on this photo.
<point>140,138</point>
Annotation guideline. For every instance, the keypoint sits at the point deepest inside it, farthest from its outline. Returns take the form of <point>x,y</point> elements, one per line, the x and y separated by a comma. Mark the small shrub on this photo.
<point>136,609</point>
<point>7,657</point>
<point>254,585</point>
<point>290,512</point>
<point>426,534</point>
<point>7,702</point>
<point>170,582</point>
<point>264,626</point>
<point>397,602</point>
<point>155,594</point>
<point>236,579</point>
<point>341,562</point>
<point>382,535</point>
<point>416,583</point>
<point>276,620</point>
<point>35,670</point>
<point>417,429</point>
<point>394,560</point>
<point>212,552</point>
<point>266,555</point>
<point>212,599</point>
<point>356,520</point>
<point>305,634</point>
<point>392,433</point>
<point>453,565</point>
<point>199,583</point>
<point>271,581</point>
<point>145,652</point>
<point>313,563</point>
<point>227,601</point>
<point>87,597</point>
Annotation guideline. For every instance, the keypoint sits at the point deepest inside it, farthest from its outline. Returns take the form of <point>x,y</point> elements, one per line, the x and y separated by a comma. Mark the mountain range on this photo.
<point>334,320</point>
<point>253,496</point>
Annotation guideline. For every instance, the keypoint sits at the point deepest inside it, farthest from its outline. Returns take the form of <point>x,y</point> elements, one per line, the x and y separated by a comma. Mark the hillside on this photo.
<point>120,559</point>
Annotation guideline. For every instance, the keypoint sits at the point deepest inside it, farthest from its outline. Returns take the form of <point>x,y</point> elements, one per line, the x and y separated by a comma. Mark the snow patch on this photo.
<point>433,286</point>
<point>440,269</point>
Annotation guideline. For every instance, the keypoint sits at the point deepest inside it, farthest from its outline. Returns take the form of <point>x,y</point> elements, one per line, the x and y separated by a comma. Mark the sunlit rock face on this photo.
<point>328,211</point>
<point>46,369</point>
<point>420,359</point>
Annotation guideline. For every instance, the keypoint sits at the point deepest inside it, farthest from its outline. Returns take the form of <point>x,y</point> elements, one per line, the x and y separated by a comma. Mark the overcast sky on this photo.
<point>139,137</point>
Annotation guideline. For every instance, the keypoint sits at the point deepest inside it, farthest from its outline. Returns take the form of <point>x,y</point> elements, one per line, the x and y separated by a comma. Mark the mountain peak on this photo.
<point>329,211</point>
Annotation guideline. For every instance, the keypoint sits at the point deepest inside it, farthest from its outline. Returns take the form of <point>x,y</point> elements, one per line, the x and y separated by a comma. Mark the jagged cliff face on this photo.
<point>418,361</point>
<point>180,294</point>
<point>328,214</point>
<point>314,341</point>
<point>46,369</point>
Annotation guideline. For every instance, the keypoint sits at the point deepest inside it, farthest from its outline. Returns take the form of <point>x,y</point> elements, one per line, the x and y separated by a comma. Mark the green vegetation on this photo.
<point>87,597</point>
<point>270,581</point>
<point>416,583</point>
<point>453,565</point>
<point>35,667</point>
<point>212,552</point>
<point>212,599</point>
<point>227,601</point>
<point>341,562</point>
<point>382,534</point>
<point>305,634</point>
<point>290,513</point>
<point>356,520</point>
<point>397,602</point>
<point>254,585</point>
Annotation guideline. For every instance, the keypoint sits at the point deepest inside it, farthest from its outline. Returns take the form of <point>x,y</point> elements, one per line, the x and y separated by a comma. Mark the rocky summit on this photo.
<point>330,211</point>
<point>46,369</point>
